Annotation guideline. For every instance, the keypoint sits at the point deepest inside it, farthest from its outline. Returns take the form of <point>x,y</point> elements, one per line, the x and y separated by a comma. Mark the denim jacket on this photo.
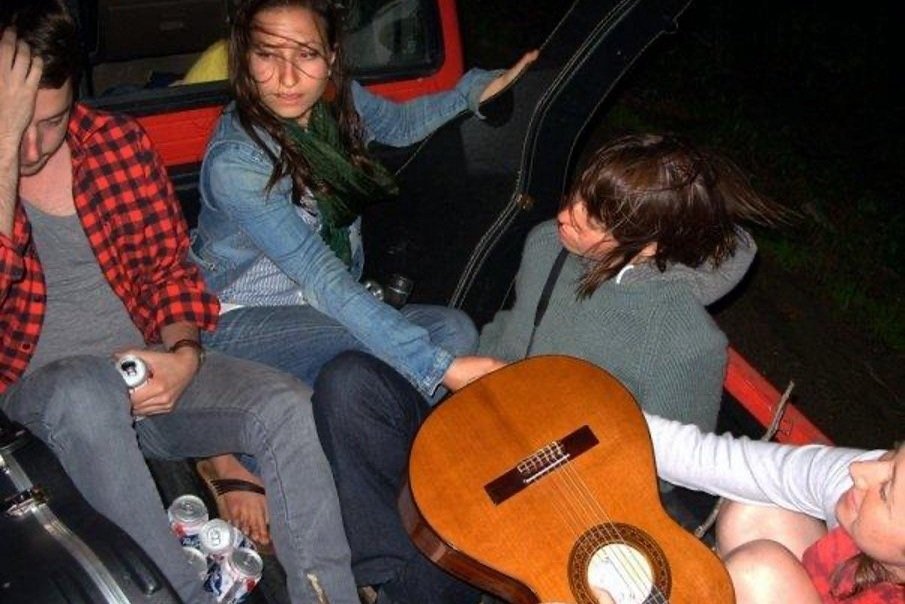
<point>242,227</point>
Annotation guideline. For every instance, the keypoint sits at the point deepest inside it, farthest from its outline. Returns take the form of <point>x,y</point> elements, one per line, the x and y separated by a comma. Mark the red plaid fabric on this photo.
<point>825,563</point>
<point>134,225</point>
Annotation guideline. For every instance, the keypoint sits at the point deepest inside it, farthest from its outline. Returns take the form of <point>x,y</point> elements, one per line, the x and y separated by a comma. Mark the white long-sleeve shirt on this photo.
<point>808,479</point>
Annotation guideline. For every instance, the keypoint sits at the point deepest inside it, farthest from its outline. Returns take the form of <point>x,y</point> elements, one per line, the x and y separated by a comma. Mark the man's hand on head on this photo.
<point>20,75</point>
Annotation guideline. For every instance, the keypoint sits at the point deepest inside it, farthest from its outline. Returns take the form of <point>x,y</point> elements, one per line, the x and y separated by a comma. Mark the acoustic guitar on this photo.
<point>538,481</point>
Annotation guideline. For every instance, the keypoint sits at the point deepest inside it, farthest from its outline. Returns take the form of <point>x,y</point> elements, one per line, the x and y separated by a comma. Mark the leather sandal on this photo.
<point>220,486</point>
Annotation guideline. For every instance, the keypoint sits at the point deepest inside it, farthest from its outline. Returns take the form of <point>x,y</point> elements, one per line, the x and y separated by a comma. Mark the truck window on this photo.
<point>385,40</point>
<point>393,39</point>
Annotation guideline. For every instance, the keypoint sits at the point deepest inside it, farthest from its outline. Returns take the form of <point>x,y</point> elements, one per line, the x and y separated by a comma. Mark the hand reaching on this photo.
<point>467,369</point>
<point>501,82</point>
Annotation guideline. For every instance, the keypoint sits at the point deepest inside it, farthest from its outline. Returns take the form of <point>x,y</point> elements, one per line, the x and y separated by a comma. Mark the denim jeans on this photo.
<point>367,416</point>
<point>80,407</point>
<point>300,340</point>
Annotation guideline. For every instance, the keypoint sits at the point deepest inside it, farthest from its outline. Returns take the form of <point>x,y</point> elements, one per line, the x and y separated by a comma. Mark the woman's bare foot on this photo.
<point>246,510</point>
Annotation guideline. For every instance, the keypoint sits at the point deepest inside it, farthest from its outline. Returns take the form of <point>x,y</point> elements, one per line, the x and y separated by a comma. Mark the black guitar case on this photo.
<point>54,548</point>
<point>473,190</point>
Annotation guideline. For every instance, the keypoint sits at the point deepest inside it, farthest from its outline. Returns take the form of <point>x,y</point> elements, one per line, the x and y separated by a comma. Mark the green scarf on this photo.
<point>342,189</point>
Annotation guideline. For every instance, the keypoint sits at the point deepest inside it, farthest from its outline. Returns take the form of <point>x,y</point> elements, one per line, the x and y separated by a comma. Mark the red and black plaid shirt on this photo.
<point>134,224</point>
<point>825,562</point>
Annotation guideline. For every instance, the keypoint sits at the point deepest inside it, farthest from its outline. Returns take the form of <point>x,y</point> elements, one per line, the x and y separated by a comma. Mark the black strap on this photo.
<point>544,300</point>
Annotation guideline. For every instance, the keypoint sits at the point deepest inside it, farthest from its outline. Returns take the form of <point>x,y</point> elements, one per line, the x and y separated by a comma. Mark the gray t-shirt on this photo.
<point>83,314</point>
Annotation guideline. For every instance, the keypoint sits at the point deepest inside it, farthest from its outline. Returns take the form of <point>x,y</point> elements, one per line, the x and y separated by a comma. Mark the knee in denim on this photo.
<point>80,390</point>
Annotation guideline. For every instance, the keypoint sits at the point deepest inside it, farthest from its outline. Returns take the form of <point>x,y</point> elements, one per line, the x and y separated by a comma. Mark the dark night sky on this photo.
<point>820,81</point>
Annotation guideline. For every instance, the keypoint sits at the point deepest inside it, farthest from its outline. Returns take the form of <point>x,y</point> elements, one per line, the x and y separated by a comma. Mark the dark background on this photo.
<point>803,96</point>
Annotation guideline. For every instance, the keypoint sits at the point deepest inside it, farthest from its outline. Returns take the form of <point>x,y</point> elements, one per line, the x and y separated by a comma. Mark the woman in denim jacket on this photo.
<point>282,184</point>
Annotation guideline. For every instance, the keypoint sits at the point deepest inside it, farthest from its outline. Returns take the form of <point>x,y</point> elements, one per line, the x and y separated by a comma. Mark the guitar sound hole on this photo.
<point>622,571</point>
<point>624,561</point>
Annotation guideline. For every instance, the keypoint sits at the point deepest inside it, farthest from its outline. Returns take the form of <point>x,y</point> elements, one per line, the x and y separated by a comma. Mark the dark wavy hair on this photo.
<point>659,188</point>
<point>50,31</point>
<point>253,113</point>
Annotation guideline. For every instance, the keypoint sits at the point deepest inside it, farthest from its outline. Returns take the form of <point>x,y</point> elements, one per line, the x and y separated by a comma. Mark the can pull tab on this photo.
<point>24,502</point>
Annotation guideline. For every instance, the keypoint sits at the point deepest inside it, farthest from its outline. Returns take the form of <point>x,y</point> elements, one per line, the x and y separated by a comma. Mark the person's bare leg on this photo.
<point>766,572</point>
<point>739,523</point>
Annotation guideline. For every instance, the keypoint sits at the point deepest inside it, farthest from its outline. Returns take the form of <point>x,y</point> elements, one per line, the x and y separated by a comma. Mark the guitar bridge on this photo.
<point>540,463</point>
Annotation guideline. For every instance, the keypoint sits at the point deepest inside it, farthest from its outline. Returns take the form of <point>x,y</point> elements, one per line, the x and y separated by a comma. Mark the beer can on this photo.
<point>397,291</point>
<point>197,561</point>
<point>187,515</point>
<point>374,287</point>
<point>134,370</point>
<point>240,539</point>
<point>218,538</point>
<point>234,577</point>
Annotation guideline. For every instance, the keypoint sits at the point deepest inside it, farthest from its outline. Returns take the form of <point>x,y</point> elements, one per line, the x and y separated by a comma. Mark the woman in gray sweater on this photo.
<point>648,235</point>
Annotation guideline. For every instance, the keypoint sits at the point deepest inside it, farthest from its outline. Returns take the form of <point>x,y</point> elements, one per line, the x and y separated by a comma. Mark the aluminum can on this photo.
<point>134,370</point>
<point>240,539</point>
<point>397,290</point>
<point>234,577</point>
<point>197,561</point>
<point>374,287</point>
<point>218,538</point>
<point>187,515</point>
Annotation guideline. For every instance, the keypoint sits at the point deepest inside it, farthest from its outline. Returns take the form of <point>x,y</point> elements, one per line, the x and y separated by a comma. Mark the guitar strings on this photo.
<point>580,520</point>
<point>600,518</point>
<point>590,513</point>
<point>629,568</point>
<point>611,528</point>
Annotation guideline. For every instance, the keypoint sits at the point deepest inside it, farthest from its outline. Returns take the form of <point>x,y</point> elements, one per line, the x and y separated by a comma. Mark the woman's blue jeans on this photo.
<point>300,340</point>
<point>367,416</point>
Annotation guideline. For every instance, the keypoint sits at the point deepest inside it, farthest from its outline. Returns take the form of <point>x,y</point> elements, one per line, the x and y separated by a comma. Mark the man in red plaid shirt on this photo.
<point>93,266</point>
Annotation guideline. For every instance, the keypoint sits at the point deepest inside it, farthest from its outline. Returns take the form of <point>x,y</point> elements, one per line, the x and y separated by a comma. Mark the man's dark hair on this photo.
<point>49,29</point>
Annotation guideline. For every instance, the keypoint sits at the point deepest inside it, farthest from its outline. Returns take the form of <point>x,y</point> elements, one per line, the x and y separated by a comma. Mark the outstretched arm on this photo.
<point>807,479</point>
<point>402,124</point>
<point>503,80</point>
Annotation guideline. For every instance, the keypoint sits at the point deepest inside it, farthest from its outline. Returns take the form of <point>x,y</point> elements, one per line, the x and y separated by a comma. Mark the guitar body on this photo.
<point>538,474</point>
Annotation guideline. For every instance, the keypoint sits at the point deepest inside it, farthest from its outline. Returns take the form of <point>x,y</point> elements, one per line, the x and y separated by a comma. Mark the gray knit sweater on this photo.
<point>649,329</point>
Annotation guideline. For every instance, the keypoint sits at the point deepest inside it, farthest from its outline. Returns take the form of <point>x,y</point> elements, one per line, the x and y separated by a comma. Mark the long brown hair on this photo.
<point>253,113</point>
<point>654,188</point>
